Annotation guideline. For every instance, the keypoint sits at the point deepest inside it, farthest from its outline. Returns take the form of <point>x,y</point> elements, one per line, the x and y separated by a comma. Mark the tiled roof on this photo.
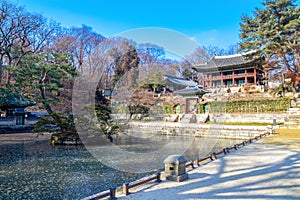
<point>192,91</point>
<point>226,61</point>
<point>11,101</point>
<point>181,81</point>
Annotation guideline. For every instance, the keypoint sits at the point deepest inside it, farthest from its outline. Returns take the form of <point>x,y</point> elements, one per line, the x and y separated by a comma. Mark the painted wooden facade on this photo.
<point>232,70</point>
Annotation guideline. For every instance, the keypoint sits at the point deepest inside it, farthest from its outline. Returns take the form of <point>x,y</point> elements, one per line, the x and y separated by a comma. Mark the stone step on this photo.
<point>293,116</point>
<point>294,109</point>
<point>202,118</point>
<point>189,118</point>
<point>294,126</point>
<point>291,122</point>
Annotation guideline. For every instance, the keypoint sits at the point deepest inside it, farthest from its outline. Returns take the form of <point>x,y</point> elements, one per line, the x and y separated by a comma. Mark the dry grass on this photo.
<point>285,137</point>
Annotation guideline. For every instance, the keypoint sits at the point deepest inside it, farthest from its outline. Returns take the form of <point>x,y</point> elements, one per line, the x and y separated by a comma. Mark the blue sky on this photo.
<point>208,22</point>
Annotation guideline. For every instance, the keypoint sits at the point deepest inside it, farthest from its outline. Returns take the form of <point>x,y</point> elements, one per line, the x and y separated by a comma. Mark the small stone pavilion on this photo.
<point>231,70</point>
<point>14,115</point>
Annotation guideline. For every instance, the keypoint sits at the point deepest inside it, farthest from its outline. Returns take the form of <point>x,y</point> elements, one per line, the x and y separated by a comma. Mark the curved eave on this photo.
<point>17,105</point>
<point>191,92</point>
<point>209,68</point>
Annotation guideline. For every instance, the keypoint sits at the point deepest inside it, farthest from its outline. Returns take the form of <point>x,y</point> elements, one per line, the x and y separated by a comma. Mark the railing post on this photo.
<point>158,177</point>
<point>126,188</point>
<point>112,194</point>
<point>215,155</point>
<point>224,150</point>
<point>236,147</point>
<point>197,162</point>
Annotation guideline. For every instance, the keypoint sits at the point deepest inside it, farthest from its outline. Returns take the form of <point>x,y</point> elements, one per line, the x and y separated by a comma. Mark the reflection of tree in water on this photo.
<point>141,144</point>
<point>199,147</point>
<point>204,146</point>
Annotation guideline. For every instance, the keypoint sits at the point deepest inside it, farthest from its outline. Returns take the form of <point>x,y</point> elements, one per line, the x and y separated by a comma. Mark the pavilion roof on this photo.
<point>229,61</point>
<point>14,101</point>
<point>191,91</point>
<point>181,81</point>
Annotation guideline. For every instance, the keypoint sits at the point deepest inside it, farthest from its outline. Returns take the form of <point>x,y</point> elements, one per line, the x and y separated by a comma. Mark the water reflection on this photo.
<point>33,169</point>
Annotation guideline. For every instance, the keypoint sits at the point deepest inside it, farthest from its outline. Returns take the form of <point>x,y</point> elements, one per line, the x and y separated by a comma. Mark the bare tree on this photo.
<point>78,42</point>
<point>21,33</point>
<point>108,62</point>
<point>126,61</point>
<point>199,56</point>
<point>150,53</point>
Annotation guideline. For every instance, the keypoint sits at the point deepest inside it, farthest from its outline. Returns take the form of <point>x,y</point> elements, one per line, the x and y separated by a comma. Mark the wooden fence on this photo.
<point>111,193</point>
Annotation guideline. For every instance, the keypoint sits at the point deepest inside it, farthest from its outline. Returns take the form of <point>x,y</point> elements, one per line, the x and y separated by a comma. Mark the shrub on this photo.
<point>250,105</point>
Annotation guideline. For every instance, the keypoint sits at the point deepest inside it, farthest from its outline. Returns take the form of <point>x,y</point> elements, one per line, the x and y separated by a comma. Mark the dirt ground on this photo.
<point>15,138</point>
<point>285,137</point>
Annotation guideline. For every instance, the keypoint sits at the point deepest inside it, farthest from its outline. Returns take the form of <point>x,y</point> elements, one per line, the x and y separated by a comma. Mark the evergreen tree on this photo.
<point>126,62</point>
<point>273,32</point>
<point>42,77</point>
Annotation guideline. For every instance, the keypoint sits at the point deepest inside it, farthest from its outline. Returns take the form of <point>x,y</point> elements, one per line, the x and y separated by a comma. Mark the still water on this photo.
<point>30,168</point>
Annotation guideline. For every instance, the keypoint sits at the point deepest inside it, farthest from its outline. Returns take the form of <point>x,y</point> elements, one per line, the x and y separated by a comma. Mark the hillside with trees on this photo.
<point>39,59</point>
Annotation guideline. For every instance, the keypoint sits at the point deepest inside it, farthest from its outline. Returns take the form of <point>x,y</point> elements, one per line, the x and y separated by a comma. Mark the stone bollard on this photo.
<point>175,168</point>
<point>274,120</point>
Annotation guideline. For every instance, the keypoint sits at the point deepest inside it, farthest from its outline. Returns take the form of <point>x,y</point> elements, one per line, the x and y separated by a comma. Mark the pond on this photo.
<point>30,168</point>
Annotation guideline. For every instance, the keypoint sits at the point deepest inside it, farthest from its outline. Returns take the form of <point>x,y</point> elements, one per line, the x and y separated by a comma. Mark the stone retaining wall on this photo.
<point>249,118</point>
<point>199,130</point>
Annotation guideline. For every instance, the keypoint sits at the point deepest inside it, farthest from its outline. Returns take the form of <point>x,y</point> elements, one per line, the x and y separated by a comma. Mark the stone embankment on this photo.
<point>200,130</point>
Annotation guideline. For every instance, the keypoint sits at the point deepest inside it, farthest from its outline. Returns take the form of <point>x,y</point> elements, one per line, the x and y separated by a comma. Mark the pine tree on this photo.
<point>273,32</point>
<point>41,77</point>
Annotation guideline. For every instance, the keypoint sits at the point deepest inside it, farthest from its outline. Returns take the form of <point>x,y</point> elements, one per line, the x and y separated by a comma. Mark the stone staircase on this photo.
<point>188,118</point>
<point>293,111</point>
<point>292,119</point>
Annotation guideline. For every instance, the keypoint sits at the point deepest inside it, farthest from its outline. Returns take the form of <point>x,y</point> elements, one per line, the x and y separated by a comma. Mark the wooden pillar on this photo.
<point>245,76</point>
<point>210,80</point>
<point>233,78</point>
<point>126,188</point>
<point>186,106</point>
<point>112,192</point>
<point>221,78</point>
<point>158,177</point>
<point>255,75</point>
<point>203,80</point>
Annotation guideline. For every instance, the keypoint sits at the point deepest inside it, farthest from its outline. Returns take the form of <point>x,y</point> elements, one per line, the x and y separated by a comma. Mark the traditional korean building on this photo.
<point>14,115</point>
<point>192,93</point>
<point>231,70</point>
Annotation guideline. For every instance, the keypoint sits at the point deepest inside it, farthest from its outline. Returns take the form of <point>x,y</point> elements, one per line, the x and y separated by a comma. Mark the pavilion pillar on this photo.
<point>221,78</point>
<point>233,83</point>
<point>246,76</point>
<point>210,80</point>
<point>186,106</point>
<point>255,75</point>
